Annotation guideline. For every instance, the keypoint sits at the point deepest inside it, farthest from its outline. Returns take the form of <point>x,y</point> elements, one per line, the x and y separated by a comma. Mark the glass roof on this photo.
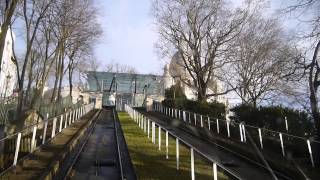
<point>125,82</point>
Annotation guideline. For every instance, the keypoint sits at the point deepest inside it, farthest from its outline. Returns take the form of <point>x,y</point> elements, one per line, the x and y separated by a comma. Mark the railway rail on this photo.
<point>103,152</point>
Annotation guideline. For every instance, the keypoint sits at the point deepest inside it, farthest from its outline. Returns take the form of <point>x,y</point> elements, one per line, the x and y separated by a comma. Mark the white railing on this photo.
<point>146,124</point>
<point>40,130</point>
<point>214,124</point>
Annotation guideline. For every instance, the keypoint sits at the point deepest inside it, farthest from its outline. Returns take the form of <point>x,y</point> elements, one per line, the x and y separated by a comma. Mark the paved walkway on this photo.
<point>243,168</point>
<point>46,160</point>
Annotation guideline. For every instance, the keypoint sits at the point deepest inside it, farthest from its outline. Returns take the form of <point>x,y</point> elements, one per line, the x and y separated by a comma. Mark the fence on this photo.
<point>17,145</point>
<point>6,104</point>
<point>8,107</point>
<point>270,142</point>
<point>145,124</point>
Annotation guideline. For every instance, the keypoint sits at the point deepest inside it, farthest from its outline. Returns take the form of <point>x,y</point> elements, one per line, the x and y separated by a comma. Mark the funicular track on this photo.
<point>103,153</point>
<point>239,163</point>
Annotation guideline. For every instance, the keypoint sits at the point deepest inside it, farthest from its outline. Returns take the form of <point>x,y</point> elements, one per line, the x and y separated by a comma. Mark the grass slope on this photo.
<point>150,163</point>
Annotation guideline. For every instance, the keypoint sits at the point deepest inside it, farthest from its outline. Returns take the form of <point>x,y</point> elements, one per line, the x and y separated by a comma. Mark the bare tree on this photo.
<point>202,32</point>
<point>262,59</point>
<point>77,31</point>
<point>120,68</point>
<point>32,13</point>
<point>308,11</point>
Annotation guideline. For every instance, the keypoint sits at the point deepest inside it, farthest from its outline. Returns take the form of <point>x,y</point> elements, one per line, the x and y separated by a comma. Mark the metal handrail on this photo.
<point>35,124</point>
<point>85,109</point>
<point>165,110</point>
<point>264,129</point>
<point>190,146</point>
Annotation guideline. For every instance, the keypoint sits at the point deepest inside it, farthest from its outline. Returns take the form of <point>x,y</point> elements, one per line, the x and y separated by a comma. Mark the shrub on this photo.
<point>273,117</point>
<point>213,109</point>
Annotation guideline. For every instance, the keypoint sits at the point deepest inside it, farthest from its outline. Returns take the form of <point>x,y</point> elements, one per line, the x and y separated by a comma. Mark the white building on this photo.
<point>175,72</point>
<point>8,73</point>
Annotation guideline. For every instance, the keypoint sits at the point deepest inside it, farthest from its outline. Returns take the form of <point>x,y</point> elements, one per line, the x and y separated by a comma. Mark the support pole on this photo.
<point>33,141</point>
<point>215,171</point>
<point>61,121</point>
<point>209,123</point>
<point>286,123</point>
<point>53,133</point>
<point>16,153</point>
<point>177,152</point>
<point>240,130</point>
<point>244,133</point>
<point>167,145</point>
<point>148,128</point>
<point>310,153</point>
<point>66,121</point>
<point>45,129</point>
<point>159,138</point>
<point>145,125</point>
<point>192,164</point>
<point>281,141</point>
<point>218,126</point>
<point>228,128</point>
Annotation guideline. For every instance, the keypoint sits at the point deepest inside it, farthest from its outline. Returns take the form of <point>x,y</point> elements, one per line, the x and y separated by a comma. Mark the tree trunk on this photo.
<point>313,87</point>
<point>316,118</point>
<point>61,73</point>
<point>70,82</point>
<point>30,74</point>
<point>202,92</point>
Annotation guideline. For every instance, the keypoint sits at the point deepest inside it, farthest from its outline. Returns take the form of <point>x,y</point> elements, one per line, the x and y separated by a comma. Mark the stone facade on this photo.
<point>8,74</point>
<point>175,72</point>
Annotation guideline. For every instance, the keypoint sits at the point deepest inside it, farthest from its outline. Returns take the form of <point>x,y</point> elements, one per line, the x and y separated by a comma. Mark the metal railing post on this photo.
<point>159,138</point>
<point>260,138</point>
<point>192,164</point>
<point>167,145</point>
<point>61,121</point>
<point>281,141</point>
<point>215,171</point>
<point>45,129</point>
<point>53,133</point>
<point>218,131</point>
<point>66,120</point>
<point>310,153</point>
<point>201,121</point>
<point>240,130</point>
<point>244,133</point>
<point>148,128</point>
<point>177,152</point>
<point>16,153</point>
<point>228,128</point>
<point>33,141</point>
<point>70,117</point>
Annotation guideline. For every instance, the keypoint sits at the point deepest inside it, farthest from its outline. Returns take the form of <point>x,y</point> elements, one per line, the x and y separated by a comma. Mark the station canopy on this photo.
<point>124,83</point>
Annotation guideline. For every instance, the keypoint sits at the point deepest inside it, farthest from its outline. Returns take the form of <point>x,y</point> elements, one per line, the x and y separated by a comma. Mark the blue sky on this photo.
<point>129,35</point>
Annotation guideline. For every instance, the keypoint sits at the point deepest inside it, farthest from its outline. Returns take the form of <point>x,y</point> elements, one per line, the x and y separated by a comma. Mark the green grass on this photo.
<point>150,163</point>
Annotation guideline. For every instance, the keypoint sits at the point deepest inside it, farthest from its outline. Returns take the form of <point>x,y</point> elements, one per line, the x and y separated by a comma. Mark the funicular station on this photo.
<point>118,89</point>
<point>88,142</point>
